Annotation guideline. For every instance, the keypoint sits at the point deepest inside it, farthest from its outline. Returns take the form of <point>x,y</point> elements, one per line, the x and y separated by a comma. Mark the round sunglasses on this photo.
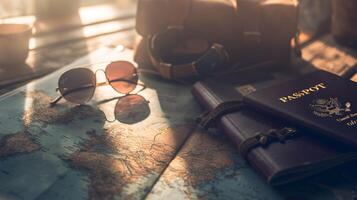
<point>78,85</point>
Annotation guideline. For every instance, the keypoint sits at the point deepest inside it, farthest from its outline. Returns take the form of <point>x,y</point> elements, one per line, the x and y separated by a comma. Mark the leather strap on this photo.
<point>178,12</point>
<point>206,120</point>
<point>215,57</point>
<point>265,138</point>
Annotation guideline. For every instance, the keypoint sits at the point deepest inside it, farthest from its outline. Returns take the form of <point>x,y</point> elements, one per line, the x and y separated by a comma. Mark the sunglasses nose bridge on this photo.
<point>99,70</point>
<point>105,75</point>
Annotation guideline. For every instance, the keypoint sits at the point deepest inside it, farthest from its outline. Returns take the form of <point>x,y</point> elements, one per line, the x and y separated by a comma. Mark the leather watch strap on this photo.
<point>178,11</point>
<point>182,71</point>
<point>214,58</point>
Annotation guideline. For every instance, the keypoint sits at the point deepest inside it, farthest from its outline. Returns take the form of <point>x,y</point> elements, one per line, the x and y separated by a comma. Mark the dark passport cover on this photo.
<point>278,163</point>
<point>320,101</point>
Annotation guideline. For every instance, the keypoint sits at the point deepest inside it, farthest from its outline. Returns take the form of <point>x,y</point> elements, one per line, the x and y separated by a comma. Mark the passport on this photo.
<point>320,101</point>
<point>280,162</point>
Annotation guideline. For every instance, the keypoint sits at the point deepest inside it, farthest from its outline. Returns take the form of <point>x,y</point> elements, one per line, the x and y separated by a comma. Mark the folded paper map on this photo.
<point>72,152</point>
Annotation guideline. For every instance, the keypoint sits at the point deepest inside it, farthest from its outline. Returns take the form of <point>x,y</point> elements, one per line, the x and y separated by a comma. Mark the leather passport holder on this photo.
<point>319,101</point>
<point>278,163</point>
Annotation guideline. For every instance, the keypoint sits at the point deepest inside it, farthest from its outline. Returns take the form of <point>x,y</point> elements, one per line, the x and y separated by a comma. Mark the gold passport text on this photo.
<point>299,94</point>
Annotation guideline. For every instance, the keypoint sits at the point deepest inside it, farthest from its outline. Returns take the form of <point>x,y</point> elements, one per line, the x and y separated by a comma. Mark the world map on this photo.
<point>74,152</point>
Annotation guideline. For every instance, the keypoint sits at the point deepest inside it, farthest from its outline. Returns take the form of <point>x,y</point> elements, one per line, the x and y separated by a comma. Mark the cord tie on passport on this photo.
<point>206,120</point>
<point>265,138</point>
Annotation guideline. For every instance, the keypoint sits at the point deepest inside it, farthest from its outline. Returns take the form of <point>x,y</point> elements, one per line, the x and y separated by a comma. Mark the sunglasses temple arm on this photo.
<point>143,87</point>
<point>102,84</point>
<point>108,100</point>
<point>54,102</point>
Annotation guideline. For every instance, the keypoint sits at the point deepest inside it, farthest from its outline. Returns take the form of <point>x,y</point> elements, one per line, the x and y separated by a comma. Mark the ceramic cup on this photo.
<point>14,43</point>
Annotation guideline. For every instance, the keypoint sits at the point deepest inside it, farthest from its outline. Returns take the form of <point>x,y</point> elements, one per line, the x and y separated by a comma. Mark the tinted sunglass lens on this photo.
<point>132,109</point>
<point>122,76</point>
<point>77,85</point>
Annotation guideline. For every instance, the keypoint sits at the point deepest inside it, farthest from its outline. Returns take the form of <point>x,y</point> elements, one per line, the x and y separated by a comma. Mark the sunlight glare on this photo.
<point>30,19</point>
<point>28,105</point>
<point>92,14</point>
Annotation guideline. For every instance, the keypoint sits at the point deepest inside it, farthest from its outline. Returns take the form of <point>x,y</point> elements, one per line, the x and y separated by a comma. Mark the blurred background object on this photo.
<point>14,8</point>
<point>10,8</point>
<point>59,40</point>
<point>14,43</point>
<point>314,16</point>
<point>53,8</point>
<point>344,20</point>
<point>63,31</point>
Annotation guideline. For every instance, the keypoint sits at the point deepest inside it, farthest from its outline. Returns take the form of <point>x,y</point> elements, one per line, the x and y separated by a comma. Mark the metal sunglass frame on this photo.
<point>107,82</point>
